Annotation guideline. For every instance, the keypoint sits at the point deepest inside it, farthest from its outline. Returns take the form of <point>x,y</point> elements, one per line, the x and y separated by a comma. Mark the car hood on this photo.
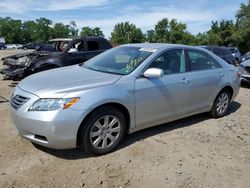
<point>23,58</point>
<point>61,81</point>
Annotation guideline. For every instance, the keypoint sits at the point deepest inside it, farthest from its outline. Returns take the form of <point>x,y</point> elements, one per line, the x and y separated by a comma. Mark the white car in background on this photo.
<point>14,46</point>
<point>245,71</point>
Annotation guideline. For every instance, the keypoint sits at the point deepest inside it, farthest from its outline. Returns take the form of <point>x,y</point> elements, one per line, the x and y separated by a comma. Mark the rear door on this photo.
<point>206,77</point>
<point>93,48</point>
<point>76,54</point>
<point>157,99</point>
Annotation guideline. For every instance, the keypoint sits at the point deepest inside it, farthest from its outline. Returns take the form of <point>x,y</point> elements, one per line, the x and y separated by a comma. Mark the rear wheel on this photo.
<point>221,104</point>
<point>103,131</point>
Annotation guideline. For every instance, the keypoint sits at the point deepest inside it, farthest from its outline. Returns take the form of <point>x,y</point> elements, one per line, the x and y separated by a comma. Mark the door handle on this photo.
<point>185,81</point>
<point>221,75</point>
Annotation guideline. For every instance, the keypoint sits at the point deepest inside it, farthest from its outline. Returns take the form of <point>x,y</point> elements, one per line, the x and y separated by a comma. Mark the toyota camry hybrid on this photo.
<point>123,90</point>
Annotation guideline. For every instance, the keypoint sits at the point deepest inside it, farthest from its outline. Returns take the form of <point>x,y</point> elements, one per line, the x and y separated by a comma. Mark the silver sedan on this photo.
<point>126,89</point>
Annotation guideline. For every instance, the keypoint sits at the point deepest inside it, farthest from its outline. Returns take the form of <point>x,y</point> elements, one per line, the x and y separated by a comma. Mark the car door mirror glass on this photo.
<point>153,73</point>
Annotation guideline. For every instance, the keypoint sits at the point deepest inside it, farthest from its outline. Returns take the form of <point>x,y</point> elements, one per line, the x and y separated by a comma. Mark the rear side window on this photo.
<point>171,62</point>
<point>93,45</point>
<point>201,61</point>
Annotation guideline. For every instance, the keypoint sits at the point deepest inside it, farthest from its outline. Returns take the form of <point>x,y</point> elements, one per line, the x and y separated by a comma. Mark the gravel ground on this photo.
<point>198,151</point>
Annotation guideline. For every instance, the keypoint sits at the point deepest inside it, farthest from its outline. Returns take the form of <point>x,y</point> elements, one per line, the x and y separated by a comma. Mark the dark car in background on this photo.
<point>236,53</point>
<point>2,46</point>
<point>31,45</point>
<point>222,52</point>
<point>53,54</point>
<point>246,56</point>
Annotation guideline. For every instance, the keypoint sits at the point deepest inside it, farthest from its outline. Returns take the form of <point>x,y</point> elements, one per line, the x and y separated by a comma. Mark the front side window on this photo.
<point>76,47</point>
<point>233,50</point>
<point>171,62</point>
<point>120,60</point>
<point>62,45</point>
<point>201,61</point>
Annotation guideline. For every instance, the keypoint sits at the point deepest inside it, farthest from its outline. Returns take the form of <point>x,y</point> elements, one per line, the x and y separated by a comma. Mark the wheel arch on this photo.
<point>229,89</point>
<point>116,105</point>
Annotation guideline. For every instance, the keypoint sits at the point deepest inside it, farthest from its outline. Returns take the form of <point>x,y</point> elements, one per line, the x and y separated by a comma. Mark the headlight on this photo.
<point>53,104</point>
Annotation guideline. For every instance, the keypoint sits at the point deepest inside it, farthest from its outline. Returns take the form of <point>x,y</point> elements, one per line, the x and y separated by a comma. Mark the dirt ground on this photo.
<point>198,151</point>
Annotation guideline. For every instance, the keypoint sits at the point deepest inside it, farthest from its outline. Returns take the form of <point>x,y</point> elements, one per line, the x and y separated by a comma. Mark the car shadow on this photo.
<point>77,153</point>
<point>13,84</point>
<point>3,99</point>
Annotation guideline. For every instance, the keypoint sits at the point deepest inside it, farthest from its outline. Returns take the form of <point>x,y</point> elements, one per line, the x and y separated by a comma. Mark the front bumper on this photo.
<point>52,129</point>
<point>13,73</point>
<point>245,78</point>
<point>12,69</point>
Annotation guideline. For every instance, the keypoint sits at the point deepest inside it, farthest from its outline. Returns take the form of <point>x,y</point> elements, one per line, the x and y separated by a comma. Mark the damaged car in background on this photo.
<point>53,54</point>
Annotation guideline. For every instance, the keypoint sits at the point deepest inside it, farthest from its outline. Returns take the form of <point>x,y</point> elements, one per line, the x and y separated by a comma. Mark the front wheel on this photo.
<point>103,131</point>
<point>221,104</point>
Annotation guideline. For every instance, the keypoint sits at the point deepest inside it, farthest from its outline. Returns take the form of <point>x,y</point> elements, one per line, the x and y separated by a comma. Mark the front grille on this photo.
<point>247,69</point>
<point>17,101</point>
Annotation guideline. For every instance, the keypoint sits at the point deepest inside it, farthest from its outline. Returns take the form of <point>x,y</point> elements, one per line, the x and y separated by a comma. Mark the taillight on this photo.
<point>238,74</point>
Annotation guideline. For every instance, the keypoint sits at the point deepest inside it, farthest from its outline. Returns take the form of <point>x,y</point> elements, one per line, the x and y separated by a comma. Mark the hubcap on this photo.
<point>105,132</point>
<point>222,103</point>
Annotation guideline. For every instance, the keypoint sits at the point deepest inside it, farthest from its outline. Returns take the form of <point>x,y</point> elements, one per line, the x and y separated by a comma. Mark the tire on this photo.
<point>105,125</point>
<point>221,104</point>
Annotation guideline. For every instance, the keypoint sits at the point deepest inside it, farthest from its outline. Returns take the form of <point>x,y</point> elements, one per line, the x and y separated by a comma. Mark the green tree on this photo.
<point>86,31</point>
<point>28,31</point>
<point>201,39</point>
<point>126,32</point>
<point>166,31</point>
<point>11,30</point>
<point>43,29</point>
<point>150,36</point>
<point>60,30</point>
<point>178,33</point>
<point>242,33</point>
<point>221,33</point>
<point>162,31</point>
<point>73,29</point>
<point>97,32</point>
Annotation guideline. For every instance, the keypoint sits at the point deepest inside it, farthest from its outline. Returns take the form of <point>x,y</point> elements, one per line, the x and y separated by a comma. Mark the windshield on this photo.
<point>120,60</point>
<point>54,46</point>
<point>232,50</point>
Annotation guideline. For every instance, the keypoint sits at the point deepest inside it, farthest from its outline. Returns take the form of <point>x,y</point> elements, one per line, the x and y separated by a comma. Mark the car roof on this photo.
<point>60,39</point>
<point>214,46</point>
<point>155,45</point>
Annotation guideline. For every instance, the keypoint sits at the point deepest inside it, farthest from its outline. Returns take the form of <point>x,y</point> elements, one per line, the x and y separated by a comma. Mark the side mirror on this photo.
<point>153,73</point>
<point>73,50</point>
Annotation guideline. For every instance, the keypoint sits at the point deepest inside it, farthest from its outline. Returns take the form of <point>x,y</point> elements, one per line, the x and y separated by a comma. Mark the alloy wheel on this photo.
<point>222,103</point>
<point>105,132</point>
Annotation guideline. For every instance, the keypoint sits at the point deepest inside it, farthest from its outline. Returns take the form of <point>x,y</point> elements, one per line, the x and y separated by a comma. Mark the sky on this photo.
<point>197,14</point>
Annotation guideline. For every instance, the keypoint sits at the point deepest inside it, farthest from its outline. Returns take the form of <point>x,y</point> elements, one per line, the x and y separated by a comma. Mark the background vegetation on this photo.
<point>223,33</point>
